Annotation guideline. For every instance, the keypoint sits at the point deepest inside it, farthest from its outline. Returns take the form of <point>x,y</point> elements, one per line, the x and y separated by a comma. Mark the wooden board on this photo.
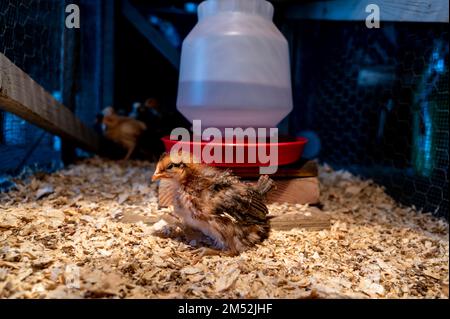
<point>355,10</point>
<point>21,95</point>
<point>151,34</point>
<point>302,168</point>
<point>313,219</point>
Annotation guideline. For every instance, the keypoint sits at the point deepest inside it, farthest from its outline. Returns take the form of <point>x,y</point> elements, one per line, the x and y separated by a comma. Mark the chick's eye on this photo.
<point>170,166</point>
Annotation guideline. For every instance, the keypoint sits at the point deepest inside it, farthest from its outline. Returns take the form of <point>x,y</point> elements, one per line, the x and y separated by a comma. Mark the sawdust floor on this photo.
<point>70,235</point>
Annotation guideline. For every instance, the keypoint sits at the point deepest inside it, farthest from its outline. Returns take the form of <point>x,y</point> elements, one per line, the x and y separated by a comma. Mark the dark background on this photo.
<point>372,101</point>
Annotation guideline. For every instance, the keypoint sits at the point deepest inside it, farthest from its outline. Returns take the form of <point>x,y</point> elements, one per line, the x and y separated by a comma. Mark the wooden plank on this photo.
<point>151,34</point>
<point>21,95</point>
<point>313,219</point>
<point>302,168</point>
<point>343,10</point>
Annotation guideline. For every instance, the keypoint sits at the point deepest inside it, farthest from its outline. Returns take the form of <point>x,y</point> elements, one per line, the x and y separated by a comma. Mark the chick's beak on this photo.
<point>157,176</point>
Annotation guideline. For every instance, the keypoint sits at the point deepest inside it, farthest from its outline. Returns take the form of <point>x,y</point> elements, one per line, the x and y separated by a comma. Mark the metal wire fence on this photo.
<point>378,102</point>
<point>33,36</point>
<point>30,36</point>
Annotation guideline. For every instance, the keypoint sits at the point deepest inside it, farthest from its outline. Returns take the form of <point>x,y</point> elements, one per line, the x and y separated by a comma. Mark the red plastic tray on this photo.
<point>289,150</point>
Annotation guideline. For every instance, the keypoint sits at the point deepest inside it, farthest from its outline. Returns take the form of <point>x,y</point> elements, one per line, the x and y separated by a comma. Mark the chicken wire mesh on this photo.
<point>377,101</point>
<point>30,36</point>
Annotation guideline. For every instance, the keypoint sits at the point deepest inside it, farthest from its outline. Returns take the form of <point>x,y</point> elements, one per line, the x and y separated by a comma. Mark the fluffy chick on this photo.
<point>122,130</point>
<point>217,203</point>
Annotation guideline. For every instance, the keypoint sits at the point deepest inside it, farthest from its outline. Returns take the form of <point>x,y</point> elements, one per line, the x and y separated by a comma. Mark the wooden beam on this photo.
<point>343,10</point>
<point>21,95</point>
<point>301,168</point>
<point>151,34</point>
<point>312,219</point>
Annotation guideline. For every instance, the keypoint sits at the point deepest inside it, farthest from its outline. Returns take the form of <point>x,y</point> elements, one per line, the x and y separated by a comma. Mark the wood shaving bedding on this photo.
<point>81,233</point>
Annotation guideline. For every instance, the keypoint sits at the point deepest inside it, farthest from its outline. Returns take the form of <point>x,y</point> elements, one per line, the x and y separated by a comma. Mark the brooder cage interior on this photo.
<point>363,213</point>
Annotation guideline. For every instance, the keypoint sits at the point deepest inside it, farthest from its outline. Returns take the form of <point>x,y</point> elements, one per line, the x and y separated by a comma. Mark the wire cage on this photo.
<point>373,101</point>
<point>30,36</point>
<point>377,101</point>
<point>33,37</point>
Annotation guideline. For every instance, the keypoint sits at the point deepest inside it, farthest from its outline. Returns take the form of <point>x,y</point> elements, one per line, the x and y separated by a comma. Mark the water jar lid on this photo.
<point>262,8</point>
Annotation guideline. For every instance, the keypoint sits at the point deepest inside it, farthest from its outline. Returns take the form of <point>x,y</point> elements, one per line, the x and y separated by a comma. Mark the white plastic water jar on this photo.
<point>234,68</point>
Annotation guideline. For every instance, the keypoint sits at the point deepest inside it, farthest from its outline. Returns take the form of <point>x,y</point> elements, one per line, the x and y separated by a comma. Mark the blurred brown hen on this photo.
<point>217,203</point>
<point>122,130</point>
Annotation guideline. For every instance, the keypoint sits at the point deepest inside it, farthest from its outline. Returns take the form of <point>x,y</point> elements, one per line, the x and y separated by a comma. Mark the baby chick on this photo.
<point>217,203</point>
<point>122,130</point>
